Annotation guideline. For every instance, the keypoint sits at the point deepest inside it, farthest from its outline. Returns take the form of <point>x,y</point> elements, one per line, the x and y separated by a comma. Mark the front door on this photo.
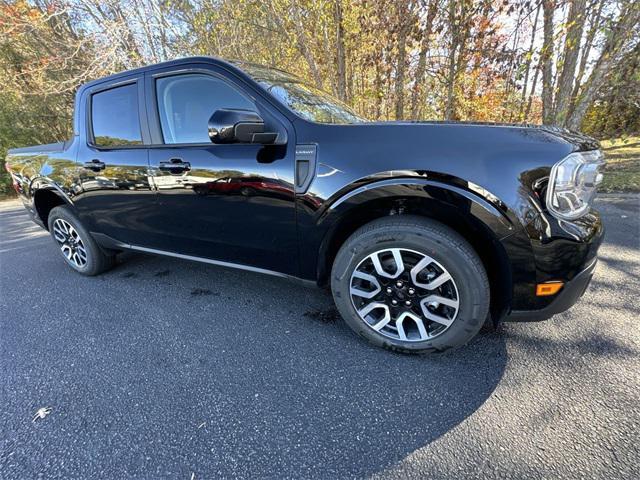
<point>233,203</point>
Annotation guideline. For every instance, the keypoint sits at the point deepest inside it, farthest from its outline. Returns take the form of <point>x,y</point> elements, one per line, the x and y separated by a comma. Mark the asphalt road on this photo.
<point>166,368</point>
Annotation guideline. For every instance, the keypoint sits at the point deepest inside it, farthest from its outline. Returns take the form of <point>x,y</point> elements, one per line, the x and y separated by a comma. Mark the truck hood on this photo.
<point>581,141</point>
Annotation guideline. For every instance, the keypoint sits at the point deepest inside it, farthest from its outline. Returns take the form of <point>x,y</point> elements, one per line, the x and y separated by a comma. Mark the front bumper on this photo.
<point>570,294</point>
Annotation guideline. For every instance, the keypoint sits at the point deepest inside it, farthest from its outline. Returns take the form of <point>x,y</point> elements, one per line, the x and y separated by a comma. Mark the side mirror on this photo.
<point>238,126</point>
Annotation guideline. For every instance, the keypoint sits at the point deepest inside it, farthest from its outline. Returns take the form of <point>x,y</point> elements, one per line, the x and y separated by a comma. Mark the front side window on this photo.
<point>186,102</point>
<point>114,117</point>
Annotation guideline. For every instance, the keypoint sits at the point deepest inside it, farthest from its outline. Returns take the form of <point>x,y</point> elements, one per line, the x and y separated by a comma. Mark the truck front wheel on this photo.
<point>78,248</point>
<point>410,284</point>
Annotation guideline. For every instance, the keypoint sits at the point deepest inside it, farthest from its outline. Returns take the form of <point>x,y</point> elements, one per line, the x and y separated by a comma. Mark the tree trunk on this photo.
<point>575,26</point>
<point>340,53</point>
<point>377,83</point>
<point>546,59</point>
<point>533,91</point>
<point>529,60</point>
<point>401,63</point>
<point>449,109</point>
<point>584,57</point>
<point>422,59</point>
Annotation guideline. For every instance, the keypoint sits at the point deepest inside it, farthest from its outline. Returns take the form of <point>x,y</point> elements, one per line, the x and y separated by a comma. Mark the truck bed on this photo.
<point>46,148</point>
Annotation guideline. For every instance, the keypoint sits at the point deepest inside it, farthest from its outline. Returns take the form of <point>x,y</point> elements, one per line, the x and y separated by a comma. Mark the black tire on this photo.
<point>428,237</point>
<point>96,260</point>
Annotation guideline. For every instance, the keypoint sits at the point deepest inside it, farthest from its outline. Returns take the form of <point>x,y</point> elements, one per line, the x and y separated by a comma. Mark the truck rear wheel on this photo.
<point>410,284</point>
<point>78,248</point>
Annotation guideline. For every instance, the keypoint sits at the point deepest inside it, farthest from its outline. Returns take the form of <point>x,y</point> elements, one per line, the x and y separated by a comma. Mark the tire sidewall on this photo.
<point>91,247</point>
<point>471,288</point>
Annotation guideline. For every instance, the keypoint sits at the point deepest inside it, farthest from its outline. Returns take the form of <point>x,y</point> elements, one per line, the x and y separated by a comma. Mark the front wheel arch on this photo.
<point>473,222</point>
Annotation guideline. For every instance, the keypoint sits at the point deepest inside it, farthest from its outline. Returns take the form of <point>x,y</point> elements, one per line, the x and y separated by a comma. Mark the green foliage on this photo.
<point>106,141</point>
<point>5,178</point>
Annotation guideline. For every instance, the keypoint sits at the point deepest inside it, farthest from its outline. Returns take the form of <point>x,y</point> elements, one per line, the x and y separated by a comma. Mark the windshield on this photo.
<point>307,101</point>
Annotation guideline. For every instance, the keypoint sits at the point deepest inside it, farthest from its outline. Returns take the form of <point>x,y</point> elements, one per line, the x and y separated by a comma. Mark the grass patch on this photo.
<point>622,173</point>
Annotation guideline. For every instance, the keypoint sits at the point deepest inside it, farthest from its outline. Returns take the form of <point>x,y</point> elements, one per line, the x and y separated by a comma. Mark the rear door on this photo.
<point>112,192</point>
<point>233,203</point>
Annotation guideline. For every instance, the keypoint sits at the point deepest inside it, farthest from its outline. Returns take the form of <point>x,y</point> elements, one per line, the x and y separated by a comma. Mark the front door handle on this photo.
<point>95,165</point>
<point>175,165</point>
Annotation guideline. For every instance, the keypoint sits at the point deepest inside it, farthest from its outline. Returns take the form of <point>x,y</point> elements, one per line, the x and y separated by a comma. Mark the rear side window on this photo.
<point>186,102</point>
<point>114,117</point>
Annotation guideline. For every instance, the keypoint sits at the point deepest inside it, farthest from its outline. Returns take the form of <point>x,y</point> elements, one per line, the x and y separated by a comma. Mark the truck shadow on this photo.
<point>188,368</point>
<point>274,371</point>
<point>197,368</point>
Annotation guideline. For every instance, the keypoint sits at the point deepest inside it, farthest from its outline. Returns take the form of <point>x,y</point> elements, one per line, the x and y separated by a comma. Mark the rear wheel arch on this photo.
<point>45,200</point>
<point>481,231</point>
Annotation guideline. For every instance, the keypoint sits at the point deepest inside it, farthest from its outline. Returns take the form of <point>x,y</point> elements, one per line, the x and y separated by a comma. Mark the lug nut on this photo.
<point>394,302</point>
<point>399,284</point>
<point>389,290</point>
<point>411,291</point>
<point>408,303</point>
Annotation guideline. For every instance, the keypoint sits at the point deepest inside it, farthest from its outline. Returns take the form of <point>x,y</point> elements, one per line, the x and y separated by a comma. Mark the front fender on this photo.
<point>490,226</point>
<point>477,202</point>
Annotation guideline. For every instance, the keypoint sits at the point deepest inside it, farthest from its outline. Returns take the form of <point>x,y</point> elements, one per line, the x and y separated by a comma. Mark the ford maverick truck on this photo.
<point>422,230</point>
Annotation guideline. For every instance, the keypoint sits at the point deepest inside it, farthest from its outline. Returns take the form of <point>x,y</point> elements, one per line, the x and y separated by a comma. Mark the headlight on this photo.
<point>573,183</point>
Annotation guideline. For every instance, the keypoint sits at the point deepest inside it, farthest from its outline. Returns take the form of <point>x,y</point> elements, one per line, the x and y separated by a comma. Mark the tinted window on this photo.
<point>114,116</point>
<point>185,103</point>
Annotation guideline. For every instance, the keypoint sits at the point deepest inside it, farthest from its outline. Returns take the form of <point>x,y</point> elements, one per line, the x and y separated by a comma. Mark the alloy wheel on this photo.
<point>404,294</point>
<point>70,242</point>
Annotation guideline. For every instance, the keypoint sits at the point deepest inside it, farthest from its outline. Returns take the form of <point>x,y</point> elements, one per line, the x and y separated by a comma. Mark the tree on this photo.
<point>425,45</point>
<point>571,63</point>
<point>575,26</point>
<point>622,34</point>
<point>341,70</point>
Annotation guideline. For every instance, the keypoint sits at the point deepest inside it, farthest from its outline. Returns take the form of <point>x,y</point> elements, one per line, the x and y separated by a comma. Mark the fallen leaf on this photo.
<point>41,413</point>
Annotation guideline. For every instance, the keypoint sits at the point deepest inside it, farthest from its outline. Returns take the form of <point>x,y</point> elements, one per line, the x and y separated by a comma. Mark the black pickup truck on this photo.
<point>422,230</point>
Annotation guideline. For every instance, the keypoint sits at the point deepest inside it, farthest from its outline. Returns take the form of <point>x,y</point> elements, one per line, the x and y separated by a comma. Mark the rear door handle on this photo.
<point>95,165</point>
<point>175,165</point>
